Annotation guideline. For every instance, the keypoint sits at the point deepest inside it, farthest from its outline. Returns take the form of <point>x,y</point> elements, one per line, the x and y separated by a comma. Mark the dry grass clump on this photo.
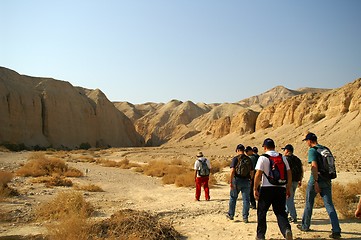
<point>40,165</point>
<point>345,198</point>
<point>5,190</point>
<point>89,188</point>
<point>131,224</point>
<point>175,172</point>
<point>124,164</point>
<point>65,204</point>
<point>53,181</point>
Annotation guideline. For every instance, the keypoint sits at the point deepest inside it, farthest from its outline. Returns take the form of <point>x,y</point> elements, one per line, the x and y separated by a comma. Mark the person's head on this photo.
<point>199,154</point>
<point>240,149</point>
<point>268,144</point>
<point>288,149</point>
<point>311,139</point>
<point>248,150</point>
<point>255,150</point>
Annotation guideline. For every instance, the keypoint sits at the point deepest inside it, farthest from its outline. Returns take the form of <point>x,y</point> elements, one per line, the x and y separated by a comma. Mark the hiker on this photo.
<point>254,158</point>
<point>358,209</point>
<point>269,193</point>
<point>202,168</point>
<point>318,184</point>
<point>241,173</point>
<point>255,152</point>
<point>297,176</point>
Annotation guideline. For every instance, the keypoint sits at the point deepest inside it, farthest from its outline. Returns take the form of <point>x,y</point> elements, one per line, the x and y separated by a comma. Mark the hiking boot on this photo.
<point>229,216</point>
<point>292,220</point>
<point>299,226</point>
<point>288,234</point>
<point>245,220</point>
<point>335,235</point>
<point>260,238</point>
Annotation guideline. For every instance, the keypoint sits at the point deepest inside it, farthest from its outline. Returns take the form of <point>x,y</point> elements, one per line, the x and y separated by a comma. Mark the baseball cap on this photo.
<point>268,142</point>
<point>310,136</point>
<point>289,147</point>
<point>240,147</point>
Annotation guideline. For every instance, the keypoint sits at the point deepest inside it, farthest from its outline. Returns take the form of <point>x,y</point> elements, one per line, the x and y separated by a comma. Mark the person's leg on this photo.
<point>251,196</point>
<point>245,198</point>
<point>233,198</point>
<point>206,188</point>
<point>310,200</point>
<point>198,188</point>
<point>326,194</point>
<point>290,202</point>
<point>279,209</point>
<point>263,205</point>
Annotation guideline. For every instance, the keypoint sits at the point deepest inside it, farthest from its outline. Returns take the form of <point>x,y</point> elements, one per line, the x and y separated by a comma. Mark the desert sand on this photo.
<point>125,189</point>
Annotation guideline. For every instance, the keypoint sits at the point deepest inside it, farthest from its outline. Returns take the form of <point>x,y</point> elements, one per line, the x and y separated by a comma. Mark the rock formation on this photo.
<point>48,112</point>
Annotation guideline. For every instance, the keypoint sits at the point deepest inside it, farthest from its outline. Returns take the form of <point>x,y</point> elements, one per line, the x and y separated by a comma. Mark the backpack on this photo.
<point>326,163</point>
<point>296,167</point>
<point>243,167</point>
<point>204,170</point>
<point>278,173</point>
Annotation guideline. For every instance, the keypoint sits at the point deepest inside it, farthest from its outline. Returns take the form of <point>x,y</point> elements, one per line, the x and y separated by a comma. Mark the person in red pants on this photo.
<point>202,167</point>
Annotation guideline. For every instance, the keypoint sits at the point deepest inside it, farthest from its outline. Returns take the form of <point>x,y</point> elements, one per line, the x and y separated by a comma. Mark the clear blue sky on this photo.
<point>199,50</point>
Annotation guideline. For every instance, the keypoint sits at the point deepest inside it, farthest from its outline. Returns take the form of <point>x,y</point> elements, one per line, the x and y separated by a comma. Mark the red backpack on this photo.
<point>278,173</point>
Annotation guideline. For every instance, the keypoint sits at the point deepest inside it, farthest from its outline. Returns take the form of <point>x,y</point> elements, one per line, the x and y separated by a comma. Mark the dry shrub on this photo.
<point>5,190</point>
<point>40,165</point>
<point>89,188</point>
<point>345,198</point>
<point>71,228</point>
<point>88,159</point>
<point>107,163</point>
<point>131,224</point>
<point>65,204</point>
<point>53,181</point>
<point>156,168</point>
<point>126,164</point>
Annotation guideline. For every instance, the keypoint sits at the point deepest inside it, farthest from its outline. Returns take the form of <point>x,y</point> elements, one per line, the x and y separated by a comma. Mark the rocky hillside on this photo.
<point>48,112</point>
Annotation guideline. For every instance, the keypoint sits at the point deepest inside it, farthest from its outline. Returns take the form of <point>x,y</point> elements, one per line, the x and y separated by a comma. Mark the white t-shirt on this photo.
<point>197,164</point>
<point>264,165</point>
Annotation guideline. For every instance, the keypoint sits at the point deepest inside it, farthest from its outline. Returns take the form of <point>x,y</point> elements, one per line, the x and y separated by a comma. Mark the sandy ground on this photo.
<point>128,189</point>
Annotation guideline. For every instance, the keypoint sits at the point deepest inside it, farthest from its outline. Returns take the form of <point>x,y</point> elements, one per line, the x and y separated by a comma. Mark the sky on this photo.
<point>209,51</point>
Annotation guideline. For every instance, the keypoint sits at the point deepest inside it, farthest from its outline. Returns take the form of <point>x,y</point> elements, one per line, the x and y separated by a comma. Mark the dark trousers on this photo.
<point>275,196</point>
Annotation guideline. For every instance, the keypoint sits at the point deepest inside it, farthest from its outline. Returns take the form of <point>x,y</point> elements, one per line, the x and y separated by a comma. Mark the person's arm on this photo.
<point>314,172</point>
<point>358,209</point>
<point>232,176</point>
<point>289,183</point>
<point>195,175</point>
<point>257,183</point>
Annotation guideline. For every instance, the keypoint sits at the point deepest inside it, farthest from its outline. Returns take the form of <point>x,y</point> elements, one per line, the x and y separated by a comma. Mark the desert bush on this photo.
<point>84,146</point>
<point>107,163</point>
<point>65,204</point>
<point>89,188</point>
<point>345,198</point>
<point>39,165</point>
<point>72,227</point>
<point>53,181</point>
<point>131,224</point>
<point>5,190</point>
<point>14,147</point>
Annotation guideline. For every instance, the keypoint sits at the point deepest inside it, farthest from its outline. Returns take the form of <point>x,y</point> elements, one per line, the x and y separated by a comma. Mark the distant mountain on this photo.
<point>48,112</point>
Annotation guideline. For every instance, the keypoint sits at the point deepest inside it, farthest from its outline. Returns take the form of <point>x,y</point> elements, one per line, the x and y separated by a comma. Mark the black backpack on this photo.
<point>326,163</point>
<point>203,170</point>
<point>278,172</point>
<point>296,167</point>
<point>243,167</point>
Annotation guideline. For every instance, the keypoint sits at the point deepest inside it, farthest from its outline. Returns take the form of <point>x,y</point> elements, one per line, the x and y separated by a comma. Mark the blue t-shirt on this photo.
<point>312,157</point>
